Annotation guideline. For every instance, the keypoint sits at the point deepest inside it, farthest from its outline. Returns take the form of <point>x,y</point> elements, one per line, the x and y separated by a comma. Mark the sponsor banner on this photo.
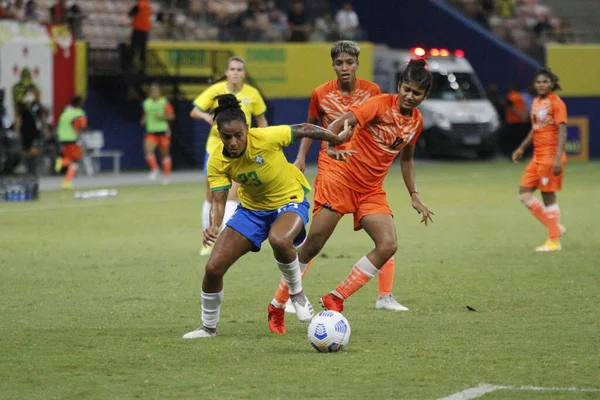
<point>281,70</point>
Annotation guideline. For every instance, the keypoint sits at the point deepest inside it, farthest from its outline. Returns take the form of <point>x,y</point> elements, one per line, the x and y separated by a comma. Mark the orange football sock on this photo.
<point>385,278</point>
<point>360,275</point>
<point>283,292</point>
<point>71,171</point>
<point>552,215</point>
<point>152,163</point>
<point>167,165</point>
<point>537,209</point>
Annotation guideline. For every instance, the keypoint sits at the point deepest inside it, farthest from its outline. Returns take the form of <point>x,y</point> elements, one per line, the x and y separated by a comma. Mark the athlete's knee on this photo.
<point>280,242</point>
<point>525,196</point>
<point>387,247</point>
<point>214,270</point>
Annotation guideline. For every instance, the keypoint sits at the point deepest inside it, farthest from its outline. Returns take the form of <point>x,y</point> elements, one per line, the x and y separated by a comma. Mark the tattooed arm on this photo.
<point>315,132</point>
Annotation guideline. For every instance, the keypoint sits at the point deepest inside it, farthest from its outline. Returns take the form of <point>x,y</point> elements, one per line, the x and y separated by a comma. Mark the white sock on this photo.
<point>211,307</point>
<point>230,208</point>
<point>552,207</point>
<point>292,275</point>
<point>206,214</point>
<point>302,267</point>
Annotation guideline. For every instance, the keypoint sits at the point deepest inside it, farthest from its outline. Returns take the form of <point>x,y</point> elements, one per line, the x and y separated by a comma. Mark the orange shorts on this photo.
<point>538,174</point>
<point>162,139</point>
<point>71,151</point>
<point>335,196</point>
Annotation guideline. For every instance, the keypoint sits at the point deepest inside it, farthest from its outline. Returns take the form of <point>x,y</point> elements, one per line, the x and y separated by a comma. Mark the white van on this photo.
<point>457,115</point>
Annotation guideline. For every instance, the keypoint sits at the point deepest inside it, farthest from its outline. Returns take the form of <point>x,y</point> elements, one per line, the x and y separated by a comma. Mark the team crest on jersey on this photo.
<point>246,101</point>
<point>545,180</point>
<point>259,160</point>
<point>541,114</point>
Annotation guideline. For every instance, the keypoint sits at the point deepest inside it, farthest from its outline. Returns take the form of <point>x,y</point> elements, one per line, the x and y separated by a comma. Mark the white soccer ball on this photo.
<point>329,331</point>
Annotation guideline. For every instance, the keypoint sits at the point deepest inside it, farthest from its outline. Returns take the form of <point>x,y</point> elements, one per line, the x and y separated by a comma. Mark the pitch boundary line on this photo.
<point>484,388</point>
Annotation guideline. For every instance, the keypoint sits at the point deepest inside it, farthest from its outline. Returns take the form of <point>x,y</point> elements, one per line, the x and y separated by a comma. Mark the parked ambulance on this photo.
<point>457,116</point>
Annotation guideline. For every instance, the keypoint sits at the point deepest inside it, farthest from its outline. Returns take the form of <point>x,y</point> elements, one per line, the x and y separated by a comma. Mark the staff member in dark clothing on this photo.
<point>31,125</point>
<point>141,15</point>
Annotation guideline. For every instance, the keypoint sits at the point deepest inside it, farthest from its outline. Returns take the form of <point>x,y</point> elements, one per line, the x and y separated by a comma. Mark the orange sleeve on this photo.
<point>169,109</point>
<point>375,89</point>
<point>313,107</point>
<point>369,110</point>
<point>79,124</point>
<point>559,110</point>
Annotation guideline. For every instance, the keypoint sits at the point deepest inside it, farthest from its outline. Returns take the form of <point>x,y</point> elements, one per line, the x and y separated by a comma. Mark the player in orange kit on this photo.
<point>545,171</point>
<point>328,102</point>
<point>388,126</point>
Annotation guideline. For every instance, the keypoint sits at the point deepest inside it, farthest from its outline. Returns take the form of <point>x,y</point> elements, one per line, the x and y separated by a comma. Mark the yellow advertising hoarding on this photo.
<point>578,67</point>
<point>281,70</point>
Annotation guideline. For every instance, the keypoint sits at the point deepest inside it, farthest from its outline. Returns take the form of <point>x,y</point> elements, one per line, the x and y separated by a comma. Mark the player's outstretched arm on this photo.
<point>199,114</point>
<point>407,165</point>
<point>345,121</point>
<point>217,211</point>
<point>305,144</point>
<point>317,133</point>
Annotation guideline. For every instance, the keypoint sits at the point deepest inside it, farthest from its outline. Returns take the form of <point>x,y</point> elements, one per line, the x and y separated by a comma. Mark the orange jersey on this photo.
<point>546,114</point>
<point>327,104</point>
<point>382,133</point>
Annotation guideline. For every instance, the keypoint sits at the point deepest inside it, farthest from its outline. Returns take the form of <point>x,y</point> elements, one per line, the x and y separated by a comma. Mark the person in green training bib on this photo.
<point>71,123</point>
<point>157,114</point>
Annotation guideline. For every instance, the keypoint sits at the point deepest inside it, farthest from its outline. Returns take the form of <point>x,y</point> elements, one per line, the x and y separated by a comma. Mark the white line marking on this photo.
<point>554,389</point>
<point>485,388</point>
<point>97,203</point>
<point>473,393</point>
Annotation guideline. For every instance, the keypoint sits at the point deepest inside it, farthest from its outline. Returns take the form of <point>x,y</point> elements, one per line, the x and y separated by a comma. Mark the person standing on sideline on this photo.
<point>157,114</point>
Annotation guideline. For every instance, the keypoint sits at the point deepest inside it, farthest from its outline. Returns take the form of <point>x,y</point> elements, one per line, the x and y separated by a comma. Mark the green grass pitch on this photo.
<point>96,294</point>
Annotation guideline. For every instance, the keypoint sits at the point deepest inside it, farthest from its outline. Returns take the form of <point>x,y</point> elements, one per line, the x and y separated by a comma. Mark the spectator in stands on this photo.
<point>563,32</point>
<point>17,10</point>
<point>347,22</point>
<point>298,23</point>
<point>141,15</point>
<point>31,13</point>
<point>74,18</point>
<point>279,24</point>
<point>255,21</point>
<point>324,29</point>
<point>58,12</point>
<point>506,8</point>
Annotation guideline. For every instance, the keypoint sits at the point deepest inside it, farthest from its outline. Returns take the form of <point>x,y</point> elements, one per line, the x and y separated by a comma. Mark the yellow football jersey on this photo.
<point>250,99</point>
<point>267,180</point>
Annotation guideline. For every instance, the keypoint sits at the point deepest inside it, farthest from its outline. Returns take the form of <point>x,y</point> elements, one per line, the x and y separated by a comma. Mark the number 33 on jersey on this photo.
<point>267,180</point>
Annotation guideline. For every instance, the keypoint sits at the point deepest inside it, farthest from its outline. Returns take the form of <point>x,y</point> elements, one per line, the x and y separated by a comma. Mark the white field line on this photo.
<point>473,393</point>
<point>485,388</point>
<point>97,203</point>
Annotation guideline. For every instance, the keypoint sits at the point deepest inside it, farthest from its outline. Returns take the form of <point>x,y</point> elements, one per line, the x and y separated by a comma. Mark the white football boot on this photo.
<point>289,307</point>
<point>304,310</point>
<point>388,302</point>
<point>201,332</point>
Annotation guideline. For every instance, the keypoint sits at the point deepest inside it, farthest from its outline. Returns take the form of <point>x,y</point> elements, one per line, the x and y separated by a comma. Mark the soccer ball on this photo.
<point>329,332</point>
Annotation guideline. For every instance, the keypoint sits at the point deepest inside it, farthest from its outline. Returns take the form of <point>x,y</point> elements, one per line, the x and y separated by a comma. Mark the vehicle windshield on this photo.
<point>455,86</point>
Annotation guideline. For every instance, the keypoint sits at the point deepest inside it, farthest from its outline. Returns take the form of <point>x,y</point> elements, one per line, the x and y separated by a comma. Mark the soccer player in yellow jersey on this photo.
<point>273,204</point>
<point>252,105</point>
